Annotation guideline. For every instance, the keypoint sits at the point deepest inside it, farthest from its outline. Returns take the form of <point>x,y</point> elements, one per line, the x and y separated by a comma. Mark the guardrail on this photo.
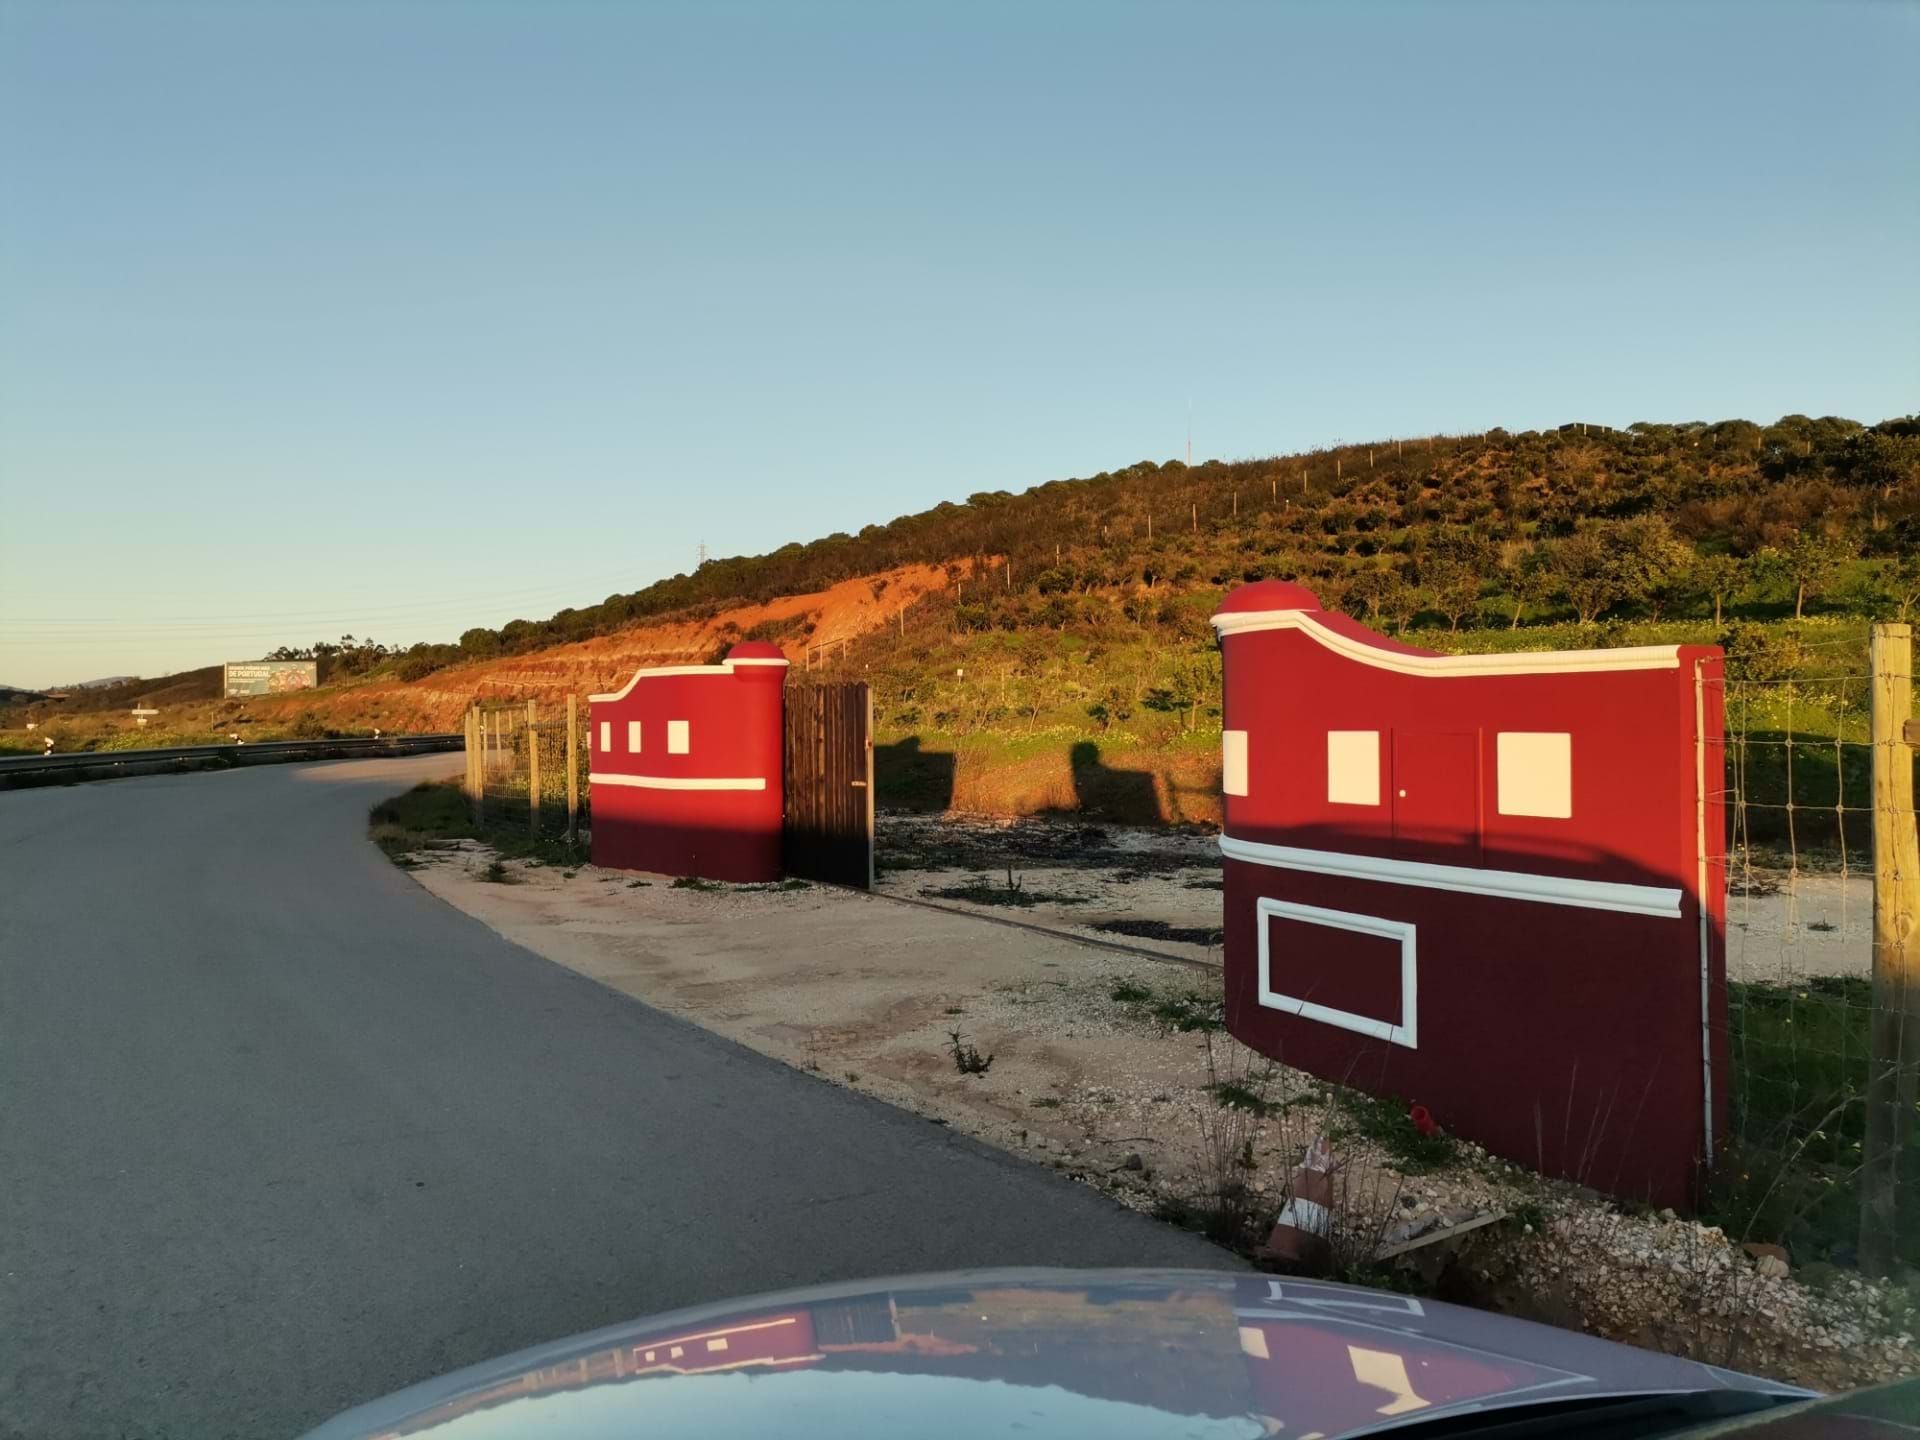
<point>105,764</point>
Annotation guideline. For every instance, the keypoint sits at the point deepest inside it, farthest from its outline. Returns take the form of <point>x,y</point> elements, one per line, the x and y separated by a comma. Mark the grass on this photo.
<point>1387,1122</point>
<point>1790,1174</point>
<point>1189,1013</point>
<point>433,814</point>
<point>694,882</point>
<point>1237,1096</point>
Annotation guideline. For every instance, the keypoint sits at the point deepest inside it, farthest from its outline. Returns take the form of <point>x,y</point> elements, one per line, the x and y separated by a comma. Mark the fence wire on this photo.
<point>519,743</point>
<point>1800,943</point>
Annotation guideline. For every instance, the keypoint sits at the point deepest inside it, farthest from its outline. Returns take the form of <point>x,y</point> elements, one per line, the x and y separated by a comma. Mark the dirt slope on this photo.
<point>823,617</point>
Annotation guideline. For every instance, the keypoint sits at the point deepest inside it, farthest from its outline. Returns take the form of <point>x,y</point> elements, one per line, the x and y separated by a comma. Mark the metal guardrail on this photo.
<point>82,764</point>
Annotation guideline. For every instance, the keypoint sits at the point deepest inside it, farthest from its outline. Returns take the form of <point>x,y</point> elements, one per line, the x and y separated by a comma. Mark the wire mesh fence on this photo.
<point>1821,890</point>
<point>528,765</point>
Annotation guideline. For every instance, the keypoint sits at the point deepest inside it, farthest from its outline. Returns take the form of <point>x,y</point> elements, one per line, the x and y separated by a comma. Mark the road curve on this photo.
<point>279,1131</point>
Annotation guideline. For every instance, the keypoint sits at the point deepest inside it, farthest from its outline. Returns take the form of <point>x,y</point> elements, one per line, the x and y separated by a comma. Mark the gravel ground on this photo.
<point>1085,1078</point>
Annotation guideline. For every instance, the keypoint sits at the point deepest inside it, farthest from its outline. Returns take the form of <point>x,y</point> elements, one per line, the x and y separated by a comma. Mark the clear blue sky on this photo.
<point>396,318</point>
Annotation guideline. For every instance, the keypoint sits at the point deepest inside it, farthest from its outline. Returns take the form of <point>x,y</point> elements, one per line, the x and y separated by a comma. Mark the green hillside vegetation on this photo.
<point>1584,522</point>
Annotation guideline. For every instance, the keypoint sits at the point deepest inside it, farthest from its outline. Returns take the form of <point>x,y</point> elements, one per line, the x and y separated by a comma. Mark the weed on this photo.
<point>1188,1014</point>
<point>1235,1096</point>
<point>853,1077</point>
<point>1528,1216</point>
<point>638,884</point>
<point>694,882</point>
<point>1387,1122</point>
<point>953,1010</point>
<point>568,874</point>
<point>497,873</point>
<point>1045,1102</point>
<point>1229,1200</point>
<point>966,1058</point>
<point>1205,885</point>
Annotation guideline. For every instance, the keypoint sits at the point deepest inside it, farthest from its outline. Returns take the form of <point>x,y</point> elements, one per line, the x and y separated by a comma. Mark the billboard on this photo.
<point>269,677</point>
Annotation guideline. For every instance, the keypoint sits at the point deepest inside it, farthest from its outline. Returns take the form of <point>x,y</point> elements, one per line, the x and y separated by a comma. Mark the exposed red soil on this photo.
<point>436,703</point>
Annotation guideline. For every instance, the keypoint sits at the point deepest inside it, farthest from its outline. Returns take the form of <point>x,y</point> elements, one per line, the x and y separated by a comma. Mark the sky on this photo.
<point>395,318</point>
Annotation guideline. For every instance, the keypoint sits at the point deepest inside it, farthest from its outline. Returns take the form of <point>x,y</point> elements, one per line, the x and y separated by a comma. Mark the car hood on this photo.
<point>1114,1352</point>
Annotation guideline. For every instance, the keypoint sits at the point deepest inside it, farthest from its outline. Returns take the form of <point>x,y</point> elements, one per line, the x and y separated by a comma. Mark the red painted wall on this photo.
<point>1566,1030</point>
<point>715,811</point>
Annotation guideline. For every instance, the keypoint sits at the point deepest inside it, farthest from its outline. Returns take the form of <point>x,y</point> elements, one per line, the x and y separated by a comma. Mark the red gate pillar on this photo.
<point>1490,884</point>
<point>686,769</point>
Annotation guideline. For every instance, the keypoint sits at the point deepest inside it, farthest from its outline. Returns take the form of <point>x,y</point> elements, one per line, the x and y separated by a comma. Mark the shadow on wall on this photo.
<point>909,778</point>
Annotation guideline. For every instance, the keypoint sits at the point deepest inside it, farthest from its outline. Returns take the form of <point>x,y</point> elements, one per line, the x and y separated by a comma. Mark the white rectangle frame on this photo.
<point>1406,1032</point>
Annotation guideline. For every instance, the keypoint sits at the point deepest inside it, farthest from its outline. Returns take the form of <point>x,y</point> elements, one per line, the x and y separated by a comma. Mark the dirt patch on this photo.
<point>796,622</point>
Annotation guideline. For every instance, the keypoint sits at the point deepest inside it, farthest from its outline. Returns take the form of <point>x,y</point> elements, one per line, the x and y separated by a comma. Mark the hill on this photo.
<point>1049,649</point>
<point>1422,511</point>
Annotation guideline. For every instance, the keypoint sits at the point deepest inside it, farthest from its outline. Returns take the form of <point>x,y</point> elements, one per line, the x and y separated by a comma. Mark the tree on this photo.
<point>1586,573</point>
<point>1901,583</point>
<point>1529,579</point>
<point>1451,563</point>
<point>1373,589</point>
<point>1807,565</point>
<point>1719,576</point>
<point>1648,557</point>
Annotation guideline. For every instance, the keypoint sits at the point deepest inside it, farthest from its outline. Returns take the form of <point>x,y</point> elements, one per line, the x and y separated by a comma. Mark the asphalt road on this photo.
<point>279,1131</point>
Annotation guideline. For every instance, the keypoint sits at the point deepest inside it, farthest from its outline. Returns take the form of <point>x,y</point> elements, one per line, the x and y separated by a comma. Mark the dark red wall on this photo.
<point>1565,1032</point>
<point>734,725</point>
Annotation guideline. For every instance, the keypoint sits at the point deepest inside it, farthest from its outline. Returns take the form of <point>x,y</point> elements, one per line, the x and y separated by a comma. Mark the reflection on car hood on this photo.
<point>1116,1353</point>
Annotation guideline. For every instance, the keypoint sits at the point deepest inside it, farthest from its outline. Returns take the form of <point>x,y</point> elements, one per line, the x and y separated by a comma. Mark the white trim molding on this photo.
<point>1539,662</point>
<point>1406,1032</point>
<point>1656,901</point>
<point>725,667</point>
<point>681,782</point>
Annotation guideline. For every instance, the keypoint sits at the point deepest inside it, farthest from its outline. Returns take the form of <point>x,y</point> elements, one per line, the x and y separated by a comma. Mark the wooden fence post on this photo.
<point>473,762</point>
<point>1893,1073</point>
<point>573,769</point>
<point>480,789</point>
<point>533,770</point>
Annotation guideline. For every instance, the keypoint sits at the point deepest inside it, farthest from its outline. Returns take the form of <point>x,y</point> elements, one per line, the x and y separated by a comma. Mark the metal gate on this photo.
<point>829,783</point>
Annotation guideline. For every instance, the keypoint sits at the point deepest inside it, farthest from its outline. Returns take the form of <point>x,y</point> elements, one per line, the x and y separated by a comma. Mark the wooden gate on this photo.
<point>829,783</point>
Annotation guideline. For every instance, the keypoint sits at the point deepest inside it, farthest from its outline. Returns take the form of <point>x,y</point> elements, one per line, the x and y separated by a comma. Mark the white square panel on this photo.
<point>633,737</point>
<point>606,736</point>
<point>677,737</point>
<point>1233,762</point>
<point>1535,771</point>
<point>1353,767</point>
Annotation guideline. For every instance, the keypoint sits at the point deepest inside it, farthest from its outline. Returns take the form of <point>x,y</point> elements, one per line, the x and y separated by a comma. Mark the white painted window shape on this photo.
<point>1406,1032</point>
<point>633,737</point>
<point>606,737</point>
<point>1233,762</point>
<point>1535,770</point>
<point>1353,767</point>
<point>677,737</point>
